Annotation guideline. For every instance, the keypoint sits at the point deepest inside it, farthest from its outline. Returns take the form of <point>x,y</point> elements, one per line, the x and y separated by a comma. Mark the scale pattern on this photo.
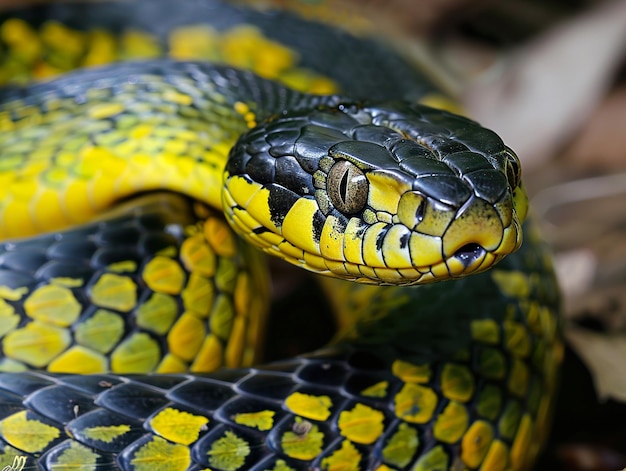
<point>170,122</point>
<point>451,387</point>
<point>161,286</point>
<point>449,376</point>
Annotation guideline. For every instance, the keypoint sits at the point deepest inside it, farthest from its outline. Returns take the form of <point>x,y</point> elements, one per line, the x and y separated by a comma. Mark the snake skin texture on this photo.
<point>150,302</point>
<point>468,387</point>
<point>110,297</point>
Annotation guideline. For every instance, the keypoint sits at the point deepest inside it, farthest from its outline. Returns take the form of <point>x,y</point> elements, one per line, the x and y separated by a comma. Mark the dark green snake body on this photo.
<point>452,375</point>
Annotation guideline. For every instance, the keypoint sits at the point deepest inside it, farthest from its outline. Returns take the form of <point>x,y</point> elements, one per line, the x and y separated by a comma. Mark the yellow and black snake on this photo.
<point>117,260</point>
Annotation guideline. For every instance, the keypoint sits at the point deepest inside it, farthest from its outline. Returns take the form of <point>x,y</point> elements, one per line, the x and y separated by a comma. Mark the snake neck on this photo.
<point>77,145</point>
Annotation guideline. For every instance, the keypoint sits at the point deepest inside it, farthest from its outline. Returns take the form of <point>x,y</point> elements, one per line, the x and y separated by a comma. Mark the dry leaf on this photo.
<point>536,98</point>
<point>575,270</point>
<point>604,355</point>
<point>602,143</point>
<point>585,222</point>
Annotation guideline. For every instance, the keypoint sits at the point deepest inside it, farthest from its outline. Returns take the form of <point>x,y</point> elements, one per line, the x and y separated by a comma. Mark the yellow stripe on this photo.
<point>241,190</point>
<point>332,239</point>
<point>260,208</point>
<point>425,250</point>
<point>371,255</point>
<point>395,251</point>
<point>352,242</point>
<point>297,227</point>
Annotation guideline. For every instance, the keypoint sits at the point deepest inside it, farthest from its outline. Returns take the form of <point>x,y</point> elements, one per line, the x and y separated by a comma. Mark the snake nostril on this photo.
<point>469,253</point>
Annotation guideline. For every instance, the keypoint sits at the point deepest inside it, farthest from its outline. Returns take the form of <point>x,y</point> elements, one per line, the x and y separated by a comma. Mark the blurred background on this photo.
<point>550,77</point>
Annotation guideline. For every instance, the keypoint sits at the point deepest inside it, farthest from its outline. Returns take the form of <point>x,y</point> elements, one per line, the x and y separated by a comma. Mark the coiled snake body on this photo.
<point>451,375</point>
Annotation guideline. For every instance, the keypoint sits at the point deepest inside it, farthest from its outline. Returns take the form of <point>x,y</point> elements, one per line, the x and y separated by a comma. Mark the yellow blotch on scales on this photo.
<point>178,426</point>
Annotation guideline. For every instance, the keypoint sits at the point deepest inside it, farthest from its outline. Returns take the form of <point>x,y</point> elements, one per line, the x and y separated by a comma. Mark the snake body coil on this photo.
<point>452,375</point>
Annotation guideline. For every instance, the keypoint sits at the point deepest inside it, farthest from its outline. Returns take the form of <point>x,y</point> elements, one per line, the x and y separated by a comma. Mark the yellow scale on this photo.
<point>35,204</point>
<point>37,198</point>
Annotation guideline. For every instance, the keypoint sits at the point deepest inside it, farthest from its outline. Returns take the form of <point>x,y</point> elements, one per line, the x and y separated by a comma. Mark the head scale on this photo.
<point>391,194</point>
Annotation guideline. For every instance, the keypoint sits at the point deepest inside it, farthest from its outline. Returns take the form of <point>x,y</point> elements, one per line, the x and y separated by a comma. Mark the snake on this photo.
<point>139,199</point>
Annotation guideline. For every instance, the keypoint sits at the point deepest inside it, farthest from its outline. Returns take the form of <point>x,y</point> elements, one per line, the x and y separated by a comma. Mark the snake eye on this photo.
<point>513,170</point>
<point>347,187</point>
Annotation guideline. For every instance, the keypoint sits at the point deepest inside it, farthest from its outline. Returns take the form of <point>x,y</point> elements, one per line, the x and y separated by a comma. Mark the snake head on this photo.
<point>388,194</point>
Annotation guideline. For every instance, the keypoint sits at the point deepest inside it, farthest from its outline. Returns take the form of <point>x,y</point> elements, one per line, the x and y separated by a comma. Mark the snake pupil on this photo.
<point>347,187</point>
<point>343,187</point>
